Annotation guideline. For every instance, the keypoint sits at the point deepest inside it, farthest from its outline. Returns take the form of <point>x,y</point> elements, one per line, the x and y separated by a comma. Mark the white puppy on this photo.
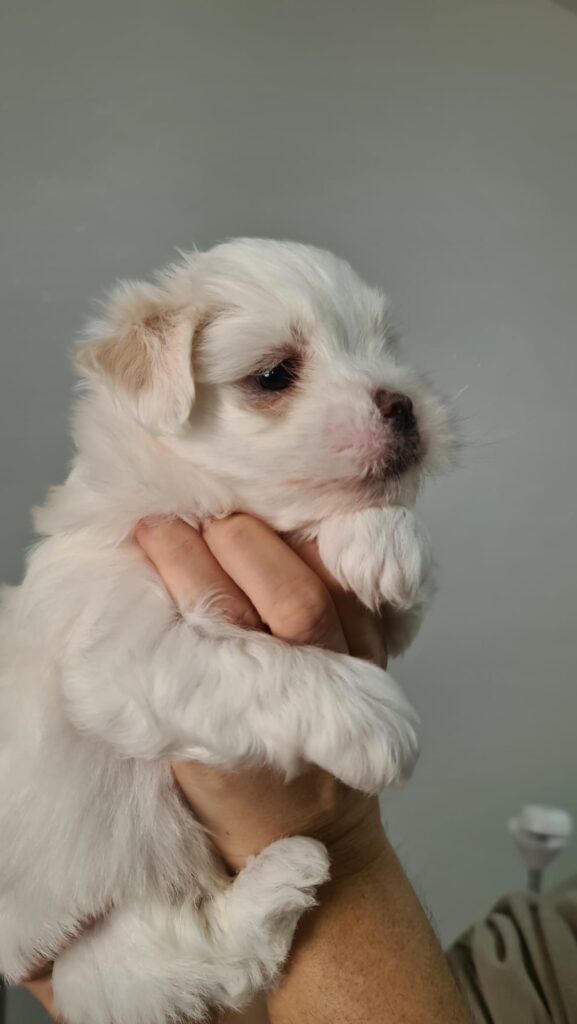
<point>258,376</point>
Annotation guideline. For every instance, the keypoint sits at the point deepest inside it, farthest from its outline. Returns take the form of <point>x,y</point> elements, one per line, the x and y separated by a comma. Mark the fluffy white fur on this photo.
<point>101,682</point>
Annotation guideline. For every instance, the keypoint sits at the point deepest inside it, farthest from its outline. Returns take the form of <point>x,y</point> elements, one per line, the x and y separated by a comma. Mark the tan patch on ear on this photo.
<point>158,324</point>
<point>140,350</point>
<point>126,361</point>
<point>129,359</point>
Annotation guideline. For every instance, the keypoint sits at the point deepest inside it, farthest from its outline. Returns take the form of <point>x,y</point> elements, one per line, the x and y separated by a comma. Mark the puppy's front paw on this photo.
<point>288,871</point>
<point>381,554</point>
<point>370,741</point>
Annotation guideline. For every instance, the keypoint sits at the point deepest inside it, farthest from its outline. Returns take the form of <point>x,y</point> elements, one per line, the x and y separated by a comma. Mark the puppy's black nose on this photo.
<point>397,408</point>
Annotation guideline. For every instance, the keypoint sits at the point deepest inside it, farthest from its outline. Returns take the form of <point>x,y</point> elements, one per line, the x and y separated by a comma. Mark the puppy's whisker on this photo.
<point>459,394</point>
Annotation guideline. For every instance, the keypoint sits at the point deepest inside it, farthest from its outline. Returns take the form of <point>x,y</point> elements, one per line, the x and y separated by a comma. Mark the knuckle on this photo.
<point>242,614</point>
<point>248,619</point>
<point>300,611</point>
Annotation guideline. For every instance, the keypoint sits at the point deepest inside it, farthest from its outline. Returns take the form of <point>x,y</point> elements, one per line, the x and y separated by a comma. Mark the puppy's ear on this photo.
<point>141,349</point>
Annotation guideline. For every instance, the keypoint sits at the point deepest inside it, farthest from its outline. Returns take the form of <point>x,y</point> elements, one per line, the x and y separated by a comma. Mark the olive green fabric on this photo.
<point>519,965</point>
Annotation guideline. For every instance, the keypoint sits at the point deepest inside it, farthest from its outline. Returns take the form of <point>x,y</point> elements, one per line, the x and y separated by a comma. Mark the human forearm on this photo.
<point>367,954</point>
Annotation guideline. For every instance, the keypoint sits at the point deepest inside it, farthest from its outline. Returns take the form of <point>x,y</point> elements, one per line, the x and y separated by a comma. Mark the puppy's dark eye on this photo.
<point>279,377</point>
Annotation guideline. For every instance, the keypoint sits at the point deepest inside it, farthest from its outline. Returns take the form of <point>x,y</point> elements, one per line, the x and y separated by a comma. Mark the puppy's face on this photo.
<point>289,386</point>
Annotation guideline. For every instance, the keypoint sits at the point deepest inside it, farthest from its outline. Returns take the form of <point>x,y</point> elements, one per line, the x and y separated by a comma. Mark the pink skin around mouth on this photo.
<point>375,451</point>
<point>363,442</point>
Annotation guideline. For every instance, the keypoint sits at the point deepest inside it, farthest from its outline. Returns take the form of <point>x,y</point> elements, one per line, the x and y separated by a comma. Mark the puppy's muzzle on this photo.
<point>397,411</point>
<point>403,446</point>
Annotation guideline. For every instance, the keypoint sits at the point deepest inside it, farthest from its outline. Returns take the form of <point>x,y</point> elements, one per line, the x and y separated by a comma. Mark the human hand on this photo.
<point>264,583</point>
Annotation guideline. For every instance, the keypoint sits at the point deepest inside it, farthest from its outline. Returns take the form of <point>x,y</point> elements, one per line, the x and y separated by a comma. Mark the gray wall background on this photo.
<point>435,146</point>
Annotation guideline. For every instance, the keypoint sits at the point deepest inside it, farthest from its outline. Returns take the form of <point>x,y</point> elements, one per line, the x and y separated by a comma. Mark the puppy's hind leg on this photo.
<point>254,920</point>
<point>155,963</point>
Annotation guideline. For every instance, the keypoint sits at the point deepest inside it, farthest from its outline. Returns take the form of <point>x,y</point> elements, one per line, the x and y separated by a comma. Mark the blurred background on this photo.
<point>434,145</point>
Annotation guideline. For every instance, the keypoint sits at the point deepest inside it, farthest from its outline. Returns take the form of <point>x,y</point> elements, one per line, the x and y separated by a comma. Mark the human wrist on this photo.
<point>356,842</point>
